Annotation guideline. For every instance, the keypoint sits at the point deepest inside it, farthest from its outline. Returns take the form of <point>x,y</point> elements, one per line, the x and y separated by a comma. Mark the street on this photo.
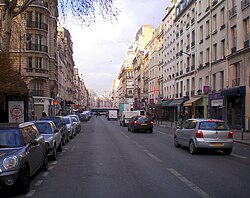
<point>106,160</point>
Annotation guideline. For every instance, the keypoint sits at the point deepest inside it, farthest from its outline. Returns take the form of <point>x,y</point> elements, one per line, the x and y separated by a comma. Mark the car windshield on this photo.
<point>44,128</point>
<point>10,138</point>
<point>213,125</point>
<point>56,120</point>
<point>66,120</point>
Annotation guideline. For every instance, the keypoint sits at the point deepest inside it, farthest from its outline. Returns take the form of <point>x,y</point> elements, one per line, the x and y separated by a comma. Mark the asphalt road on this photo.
<point>107,161</point>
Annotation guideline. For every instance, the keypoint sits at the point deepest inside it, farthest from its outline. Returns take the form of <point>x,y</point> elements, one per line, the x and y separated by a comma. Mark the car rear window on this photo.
<point>213,125</point>
<point>143,119</point>
<point>66,120</point>
<point>10,137</point>
<point>44,128</point>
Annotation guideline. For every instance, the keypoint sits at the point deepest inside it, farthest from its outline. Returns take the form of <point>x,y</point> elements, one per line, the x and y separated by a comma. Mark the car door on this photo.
<point>183,132</point>
<point>56,134</point>
<point>33,151</point>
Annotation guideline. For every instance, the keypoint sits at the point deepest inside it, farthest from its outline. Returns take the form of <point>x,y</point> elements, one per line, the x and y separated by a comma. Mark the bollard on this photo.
<point>242,130</point>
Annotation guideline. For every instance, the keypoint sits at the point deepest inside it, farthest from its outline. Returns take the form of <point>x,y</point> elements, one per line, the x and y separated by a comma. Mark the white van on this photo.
<point>126,116</point>
<point>140,112</point>
<point>112,114</point>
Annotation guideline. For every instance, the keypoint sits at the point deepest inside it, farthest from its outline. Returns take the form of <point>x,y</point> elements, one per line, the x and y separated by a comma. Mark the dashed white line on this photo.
<point>137,144</point>
<point>51,167</point>
<point>239,156</point>
<point>189,183</point>
<point>54,163</point>
<point>45,174</point>
<point>39,182</point>
<point>30,193</point>
<point>152,156</point>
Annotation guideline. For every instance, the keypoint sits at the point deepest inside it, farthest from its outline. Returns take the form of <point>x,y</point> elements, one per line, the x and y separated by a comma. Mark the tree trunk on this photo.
<point>6,30</point>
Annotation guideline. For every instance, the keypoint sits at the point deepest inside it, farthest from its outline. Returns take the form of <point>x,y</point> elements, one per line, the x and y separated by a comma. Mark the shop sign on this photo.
<point>217,103</point>
<point>16,111</point>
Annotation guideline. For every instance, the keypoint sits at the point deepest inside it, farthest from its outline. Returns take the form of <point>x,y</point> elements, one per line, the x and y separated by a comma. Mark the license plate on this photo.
<point>216,144</point>
<point>144,124</point>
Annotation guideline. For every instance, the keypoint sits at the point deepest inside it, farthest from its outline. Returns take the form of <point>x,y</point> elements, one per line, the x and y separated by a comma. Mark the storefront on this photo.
<point>235,106</point>
<point>166,110</point>
<point>216,106</point>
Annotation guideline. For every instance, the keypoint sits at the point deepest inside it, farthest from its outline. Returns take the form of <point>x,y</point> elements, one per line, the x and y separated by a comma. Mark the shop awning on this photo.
<point>234,91</point>
<point>176,102</point>
<point>165,103</point>
<point>191,101</point>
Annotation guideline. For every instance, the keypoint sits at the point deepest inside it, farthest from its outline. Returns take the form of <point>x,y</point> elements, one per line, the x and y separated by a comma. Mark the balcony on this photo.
<point>38,25</point>
<point>246,43</point>
<point>38,92</point>
<point>233,11</point>
<point>236,82</point>
<point>40,3</point>
<point>233,50</point>
<point>37,47</point>
<point>245,4</point>
<point>37,70</point>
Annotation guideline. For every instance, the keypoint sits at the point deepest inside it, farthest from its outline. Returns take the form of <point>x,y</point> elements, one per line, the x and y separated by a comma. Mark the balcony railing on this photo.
<point>233,11</point>
<point>236,82</point>
<point>40,3</point>
<point>37,70</point>
<point>38,92</point>
<point>244,4</point>
<point>37,47</point>
<point>39,25</point>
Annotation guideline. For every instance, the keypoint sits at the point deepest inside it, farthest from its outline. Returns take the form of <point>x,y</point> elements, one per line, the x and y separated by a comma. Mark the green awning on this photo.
<point>166,103</point>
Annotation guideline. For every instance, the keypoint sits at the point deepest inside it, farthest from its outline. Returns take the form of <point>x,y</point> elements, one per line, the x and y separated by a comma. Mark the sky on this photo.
<point>99,50</point>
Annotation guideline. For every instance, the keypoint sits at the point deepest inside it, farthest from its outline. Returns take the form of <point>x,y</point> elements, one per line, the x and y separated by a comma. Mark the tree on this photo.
<point>85,11</point>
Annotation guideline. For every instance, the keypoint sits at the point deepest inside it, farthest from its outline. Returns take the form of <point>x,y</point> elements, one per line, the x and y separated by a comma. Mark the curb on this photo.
<point>242,142</point>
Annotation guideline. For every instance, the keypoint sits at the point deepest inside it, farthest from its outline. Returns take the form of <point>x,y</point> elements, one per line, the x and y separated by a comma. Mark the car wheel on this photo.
<point>151,131</point>
<point>60,147</point>
<point>192,148</point>
<point>132,130</point>
<point>24,179</point>
<point>45,162</point>
<point>227,151</point>
<point>128,129</point>
<point>54,153</point>
<point>68,138</point>
<point>176,142</point>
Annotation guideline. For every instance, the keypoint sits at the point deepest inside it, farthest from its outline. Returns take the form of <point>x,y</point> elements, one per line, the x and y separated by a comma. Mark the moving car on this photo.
<point>126,116</point>
<point>141,123</point>
<point>61,126</point>
<point>204,134</point>
<point>52,137</point>
<point>22,154</point>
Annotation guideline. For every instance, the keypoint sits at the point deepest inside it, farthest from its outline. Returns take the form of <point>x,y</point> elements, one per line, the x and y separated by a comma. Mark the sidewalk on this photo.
<point>236,133</point>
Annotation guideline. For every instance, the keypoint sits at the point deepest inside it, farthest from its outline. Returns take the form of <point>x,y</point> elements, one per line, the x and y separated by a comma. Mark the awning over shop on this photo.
<point>234,91</point>
<point>176,102</point>
<point>165,103</point>
<point>191,101</point>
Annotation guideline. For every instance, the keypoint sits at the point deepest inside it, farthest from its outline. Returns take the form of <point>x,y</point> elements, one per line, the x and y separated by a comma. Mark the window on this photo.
<point>201,33</point>
<point>214,81</point>
<point>222,17</point>
<point>207,28</point>
<point>214,23</point>
<point>222,79</point>
<point>29,62</point>
<point>247,29</point>
<point>234,36</point>
<point>207,80</point>
<point>28,41</point>
<point>223,49</point>
<point>201,58</point>
<point>39,63</point>
<point>215,52</point>
<point>29,17</point>
<point>38,19</point>
<point>200,83</point>
<point>207,55</point>
<point>38,41</point>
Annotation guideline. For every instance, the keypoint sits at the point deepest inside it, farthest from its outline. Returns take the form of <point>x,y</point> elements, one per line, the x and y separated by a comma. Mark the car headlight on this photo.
<point>10,162</point>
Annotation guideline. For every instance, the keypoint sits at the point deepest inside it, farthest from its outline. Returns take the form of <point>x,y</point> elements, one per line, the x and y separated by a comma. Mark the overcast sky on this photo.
<point>99,50</point>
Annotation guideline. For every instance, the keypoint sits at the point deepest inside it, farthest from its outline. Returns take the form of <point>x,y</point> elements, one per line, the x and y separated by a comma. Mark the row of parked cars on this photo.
<point>26,148</point>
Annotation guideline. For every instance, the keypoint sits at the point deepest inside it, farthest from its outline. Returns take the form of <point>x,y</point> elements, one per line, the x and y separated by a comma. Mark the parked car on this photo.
<point>85,115</point>
<point>204,134</point>
<point>52,137</point>
<point>71,127</point>
<point>22,154</point>
<point>60,125</point>
<point>77,122</point>
<point>141,123</point>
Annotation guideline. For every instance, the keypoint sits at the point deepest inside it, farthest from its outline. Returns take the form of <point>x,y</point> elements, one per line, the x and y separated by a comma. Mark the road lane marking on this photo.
<point>39,182</point>
<point>45,174</point>
<point>30,193</point>
<point>54,163</point>
<point>160,132</point>
<point>189,183</point>
<point>239,156</point>
<point>152,156</point>
<point>51,167</point>
<point>137,144</point>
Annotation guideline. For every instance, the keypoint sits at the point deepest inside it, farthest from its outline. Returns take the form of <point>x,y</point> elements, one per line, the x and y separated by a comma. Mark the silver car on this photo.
<point>77,122</point>
<point>70,126</point>
<point>204,134</point>
<point>52,137</point>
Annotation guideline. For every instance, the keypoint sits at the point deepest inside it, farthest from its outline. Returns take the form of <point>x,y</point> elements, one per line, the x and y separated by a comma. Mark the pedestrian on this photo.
<point>44,114</point>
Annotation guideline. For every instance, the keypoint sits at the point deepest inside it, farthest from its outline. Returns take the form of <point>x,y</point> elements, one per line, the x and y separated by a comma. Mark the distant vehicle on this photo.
<point>85,116</point>
<point>124,107</point>
<point>141,123</point>
<point>202,133</point>
<point>77,122</point>
<point>112,115</point>
<point>52,137</point>
<point>71,126</point>
<point>22,154</point>
<point>140,112</point>
<point>61,125</point>
<point>126,116</point>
